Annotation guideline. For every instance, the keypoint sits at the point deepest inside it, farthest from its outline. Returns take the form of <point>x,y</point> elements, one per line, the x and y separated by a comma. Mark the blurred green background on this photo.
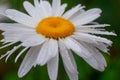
<point>110,15</point>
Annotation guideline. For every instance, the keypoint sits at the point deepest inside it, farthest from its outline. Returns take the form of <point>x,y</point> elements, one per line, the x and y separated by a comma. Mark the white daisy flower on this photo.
<point>47,31</point>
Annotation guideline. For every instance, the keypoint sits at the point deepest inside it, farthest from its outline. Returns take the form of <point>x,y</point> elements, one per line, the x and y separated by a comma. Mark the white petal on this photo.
<point>28,61</point>
<point>6,45</point>
<point>40,10</point>
<point>4,55</point>
<point>55,6</point>
<point>81,37</point>
<point>76,47</point>
<point>84,50</point>
<point>72,45</point>
<point>66,58</point>
<point>15,35</point>
<point>72,59</point>
<point>48,51</point>
<point>30,8</point>
<point>14,27</point>
<point>101,46</point>
<point>52,66</point>
<point>77,13</point>
<point>9,53</point>
<point>86,20</point>
<point>61,10</point>
<point>72,11</point>
<point>101,32</point>
<point>21,18</point>
<point>95,38</point>
<point>46,7</point>
<point>12,37</point>
<point>37,3</point>
<point>97,60</point>
<point>92,61</point>
<point>86,17</point>
<point>12,51</point>
<point>32,40</point>
<point>72,76</point>
<point>94,26</point>
<point>20,54</point>
<point>101,60</point>
<point>94,31</point>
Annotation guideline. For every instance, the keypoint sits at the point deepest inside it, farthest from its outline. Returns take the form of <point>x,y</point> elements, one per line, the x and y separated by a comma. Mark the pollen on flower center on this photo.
<point>55,27</point>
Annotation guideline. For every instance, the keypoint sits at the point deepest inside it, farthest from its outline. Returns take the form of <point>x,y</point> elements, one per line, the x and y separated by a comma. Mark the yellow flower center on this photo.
<point>55,27</point>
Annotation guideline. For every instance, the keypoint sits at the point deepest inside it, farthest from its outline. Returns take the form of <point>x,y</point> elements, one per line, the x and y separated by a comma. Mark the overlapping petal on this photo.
<point>46,55</point>
<point>28,61</point>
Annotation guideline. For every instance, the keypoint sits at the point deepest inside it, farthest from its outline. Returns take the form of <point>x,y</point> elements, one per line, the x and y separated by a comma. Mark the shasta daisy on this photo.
<point>48,30</point>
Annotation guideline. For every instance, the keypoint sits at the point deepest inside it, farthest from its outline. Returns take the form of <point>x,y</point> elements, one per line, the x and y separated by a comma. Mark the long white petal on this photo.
<point>66,58</point>
<point>95,31</point>
<point>46,7</point>
<point>97,60</point>
<point>9,53</point>
<point>13,27</point>
<point>88,40</point>
<point>101,46</point>
<point>61,10</point>
<point>83,38</point>
<point>72,11</point>
<point>88,13</point>
<point>85,20</point>
<point>72,58</point>
<point>72,76</point>
<point>48,51</point>
<point>76,47</point>
<point>55,6</point>
<point>77,13</point>
<point>86,17</point>
<point>2,56</point>
<point>28,61</point>
<point>14,36</point>
<point>21,18</point>
<point>9,44</point>
<point>39,10</point>
<point>20,54</point>
<point>101,32</point>
<point>32,40</point>
<point>94,26</point>
<point>42,9</point>
<point>30,8</point>
<point>12,51</point>
<point>37,3</point>
<point>92,61</point>
<point>52,66</point>
<point>96,38</point>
